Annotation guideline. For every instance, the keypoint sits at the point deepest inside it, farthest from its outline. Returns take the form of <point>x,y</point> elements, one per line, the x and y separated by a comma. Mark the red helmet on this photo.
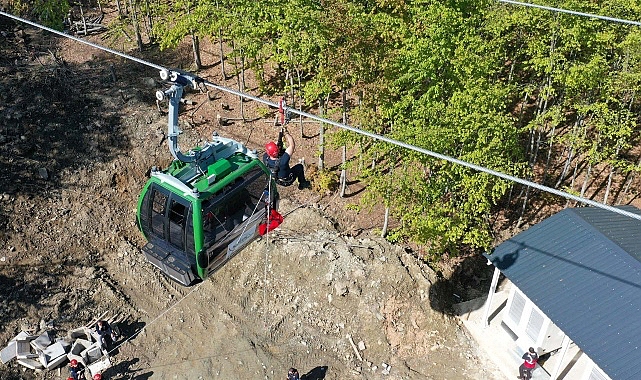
<point>272,149</point>
<point>74,362</point>
<point>97,376</point>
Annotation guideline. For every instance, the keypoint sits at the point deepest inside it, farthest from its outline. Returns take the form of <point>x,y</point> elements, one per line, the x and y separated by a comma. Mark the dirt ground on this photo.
<point>79,131</point>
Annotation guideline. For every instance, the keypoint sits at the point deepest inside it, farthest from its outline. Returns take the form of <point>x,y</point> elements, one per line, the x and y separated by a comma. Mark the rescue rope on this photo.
<point>267,247</point>
<point>157,317</point>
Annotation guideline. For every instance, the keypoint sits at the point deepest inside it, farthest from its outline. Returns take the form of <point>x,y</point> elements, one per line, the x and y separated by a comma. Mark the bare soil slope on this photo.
<point>76,147</point>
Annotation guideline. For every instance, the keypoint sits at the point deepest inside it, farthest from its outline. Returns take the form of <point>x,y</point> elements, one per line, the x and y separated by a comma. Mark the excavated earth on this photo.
<point>79,131</point>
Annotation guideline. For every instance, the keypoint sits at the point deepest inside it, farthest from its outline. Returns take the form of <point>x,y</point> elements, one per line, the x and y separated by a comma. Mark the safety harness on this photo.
<point>274,168</point>
<point>274,164</point>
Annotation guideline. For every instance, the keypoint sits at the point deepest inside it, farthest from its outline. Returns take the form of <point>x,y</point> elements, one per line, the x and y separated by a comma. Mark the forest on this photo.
<point>546,96</point>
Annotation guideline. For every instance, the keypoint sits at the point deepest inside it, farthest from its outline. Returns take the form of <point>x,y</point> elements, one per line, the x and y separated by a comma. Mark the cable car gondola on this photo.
<point>207,205</point>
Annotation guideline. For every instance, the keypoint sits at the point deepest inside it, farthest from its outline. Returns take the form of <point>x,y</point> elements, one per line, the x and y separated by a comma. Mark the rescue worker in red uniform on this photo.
<point>279,163</point>
<point>530,358</point>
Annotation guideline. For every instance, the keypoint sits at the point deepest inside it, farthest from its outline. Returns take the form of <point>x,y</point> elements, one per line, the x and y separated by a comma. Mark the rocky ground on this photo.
<point>79,130</point>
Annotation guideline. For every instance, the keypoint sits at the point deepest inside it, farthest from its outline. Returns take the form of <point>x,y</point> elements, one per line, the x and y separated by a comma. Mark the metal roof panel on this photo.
<point>582,268</point>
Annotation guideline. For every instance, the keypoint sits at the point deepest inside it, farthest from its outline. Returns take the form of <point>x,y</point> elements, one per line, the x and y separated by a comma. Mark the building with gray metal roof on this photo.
<point>581,268</point>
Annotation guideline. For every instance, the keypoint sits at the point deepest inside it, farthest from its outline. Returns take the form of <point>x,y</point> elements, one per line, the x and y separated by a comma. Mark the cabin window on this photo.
<point>524,318</point>
<point>159,202</point>
<point>595,373</point>
<point>529,323</point>
<point>177,218</point>
<point>234,204</point>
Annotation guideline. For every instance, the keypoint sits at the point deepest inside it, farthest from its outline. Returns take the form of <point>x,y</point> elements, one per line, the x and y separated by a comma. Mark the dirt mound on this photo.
<point>304,296</point>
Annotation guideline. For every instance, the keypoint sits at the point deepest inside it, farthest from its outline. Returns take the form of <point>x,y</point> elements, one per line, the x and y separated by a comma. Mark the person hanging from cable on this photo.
<point>277,158</point>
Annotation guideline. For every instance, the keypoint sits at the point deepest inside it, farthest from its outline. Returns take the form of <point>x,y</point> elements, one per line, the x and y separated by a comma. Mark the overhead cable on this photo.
<point>360,131</point>
<point>436,155</point>
<point>100,47</point>
<point>561,10</point>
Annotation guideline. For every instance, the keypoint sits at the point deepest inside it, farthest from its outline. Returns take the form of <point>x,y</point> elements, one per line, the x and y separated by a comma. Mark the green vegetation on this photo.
<point>528,92</point>
<point>50,13</point>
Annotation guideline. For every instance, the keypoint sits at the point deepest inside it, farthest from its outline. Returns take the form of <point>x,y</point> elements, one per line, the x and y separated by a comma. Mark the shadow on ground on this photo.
<point>57,116</point>
<point>318,373</point>
<point>471,279</point>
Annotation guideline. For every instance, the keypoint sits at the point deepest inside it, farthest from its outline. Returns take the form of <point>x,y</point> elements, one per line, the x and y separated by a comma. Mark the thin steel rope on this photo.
<point>582,14</point>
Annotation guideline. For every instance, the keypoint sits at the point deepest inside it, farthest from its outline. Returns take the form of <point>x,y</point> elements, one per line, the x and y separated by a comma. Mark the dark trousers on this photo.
<point>525,373</point>
<point>298,172</point>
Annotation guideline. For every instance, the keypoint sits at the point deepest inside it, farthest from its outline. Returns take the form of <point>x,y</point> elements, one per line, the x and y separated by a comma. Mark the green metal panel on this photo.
<point>199,239</point>
<point>140,199</point>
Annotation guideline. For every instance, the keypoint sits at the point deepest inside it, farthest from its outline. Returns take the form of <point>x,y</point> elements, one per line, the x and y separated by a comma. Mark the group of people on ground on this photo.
<point>77,372</point>
<point>106,337</point>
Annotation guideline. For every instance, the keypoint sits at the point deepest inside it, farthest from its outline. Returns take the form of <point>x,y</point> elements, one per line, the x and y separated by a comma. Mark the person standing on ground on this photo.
<point>76,370</point>
<point>279,163</point>
<point>292,374</point>
<point>530,358</point>
<point>107,336</point>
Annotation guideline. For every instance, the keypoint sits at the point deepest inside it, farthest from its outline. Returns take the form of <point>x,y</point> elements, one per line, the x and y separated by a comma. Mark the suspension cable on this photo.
<point>561,10</point>
<point>130,337</point>
<point>360,131</point>
<point>99,47</point>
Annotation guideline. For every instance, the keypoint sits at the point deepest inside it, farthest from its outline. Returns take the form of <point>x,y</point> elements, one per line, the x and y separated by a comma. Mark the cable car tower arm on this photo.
<point>179,81</point>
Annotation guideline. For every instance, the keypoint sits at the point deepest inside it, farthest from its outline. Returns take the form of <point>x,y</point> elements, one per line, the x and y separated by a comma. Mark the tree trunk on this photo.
<point>344,150</point>
<point>195,44</point>
<point>222,53</point>
<point>626,187</point>
<point>385,222</point>
<point>612,170</point>
<point>134,22</point>
<point>243,85</point>
<point>150,22</point>
<point>84,21</point>
<point>525,199</point>
<point>571,149</point>
<point>300,103</point>
<point>549,155</point>
<point>240,98</point>
<point>321,137</point>
<point>586,179</point>
<point>635,170</point>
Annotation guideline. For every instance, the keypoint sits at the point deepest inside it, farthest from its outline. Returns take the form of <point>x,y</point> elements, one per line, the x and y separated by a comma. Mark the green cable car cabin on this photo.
<point>205,207</point>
